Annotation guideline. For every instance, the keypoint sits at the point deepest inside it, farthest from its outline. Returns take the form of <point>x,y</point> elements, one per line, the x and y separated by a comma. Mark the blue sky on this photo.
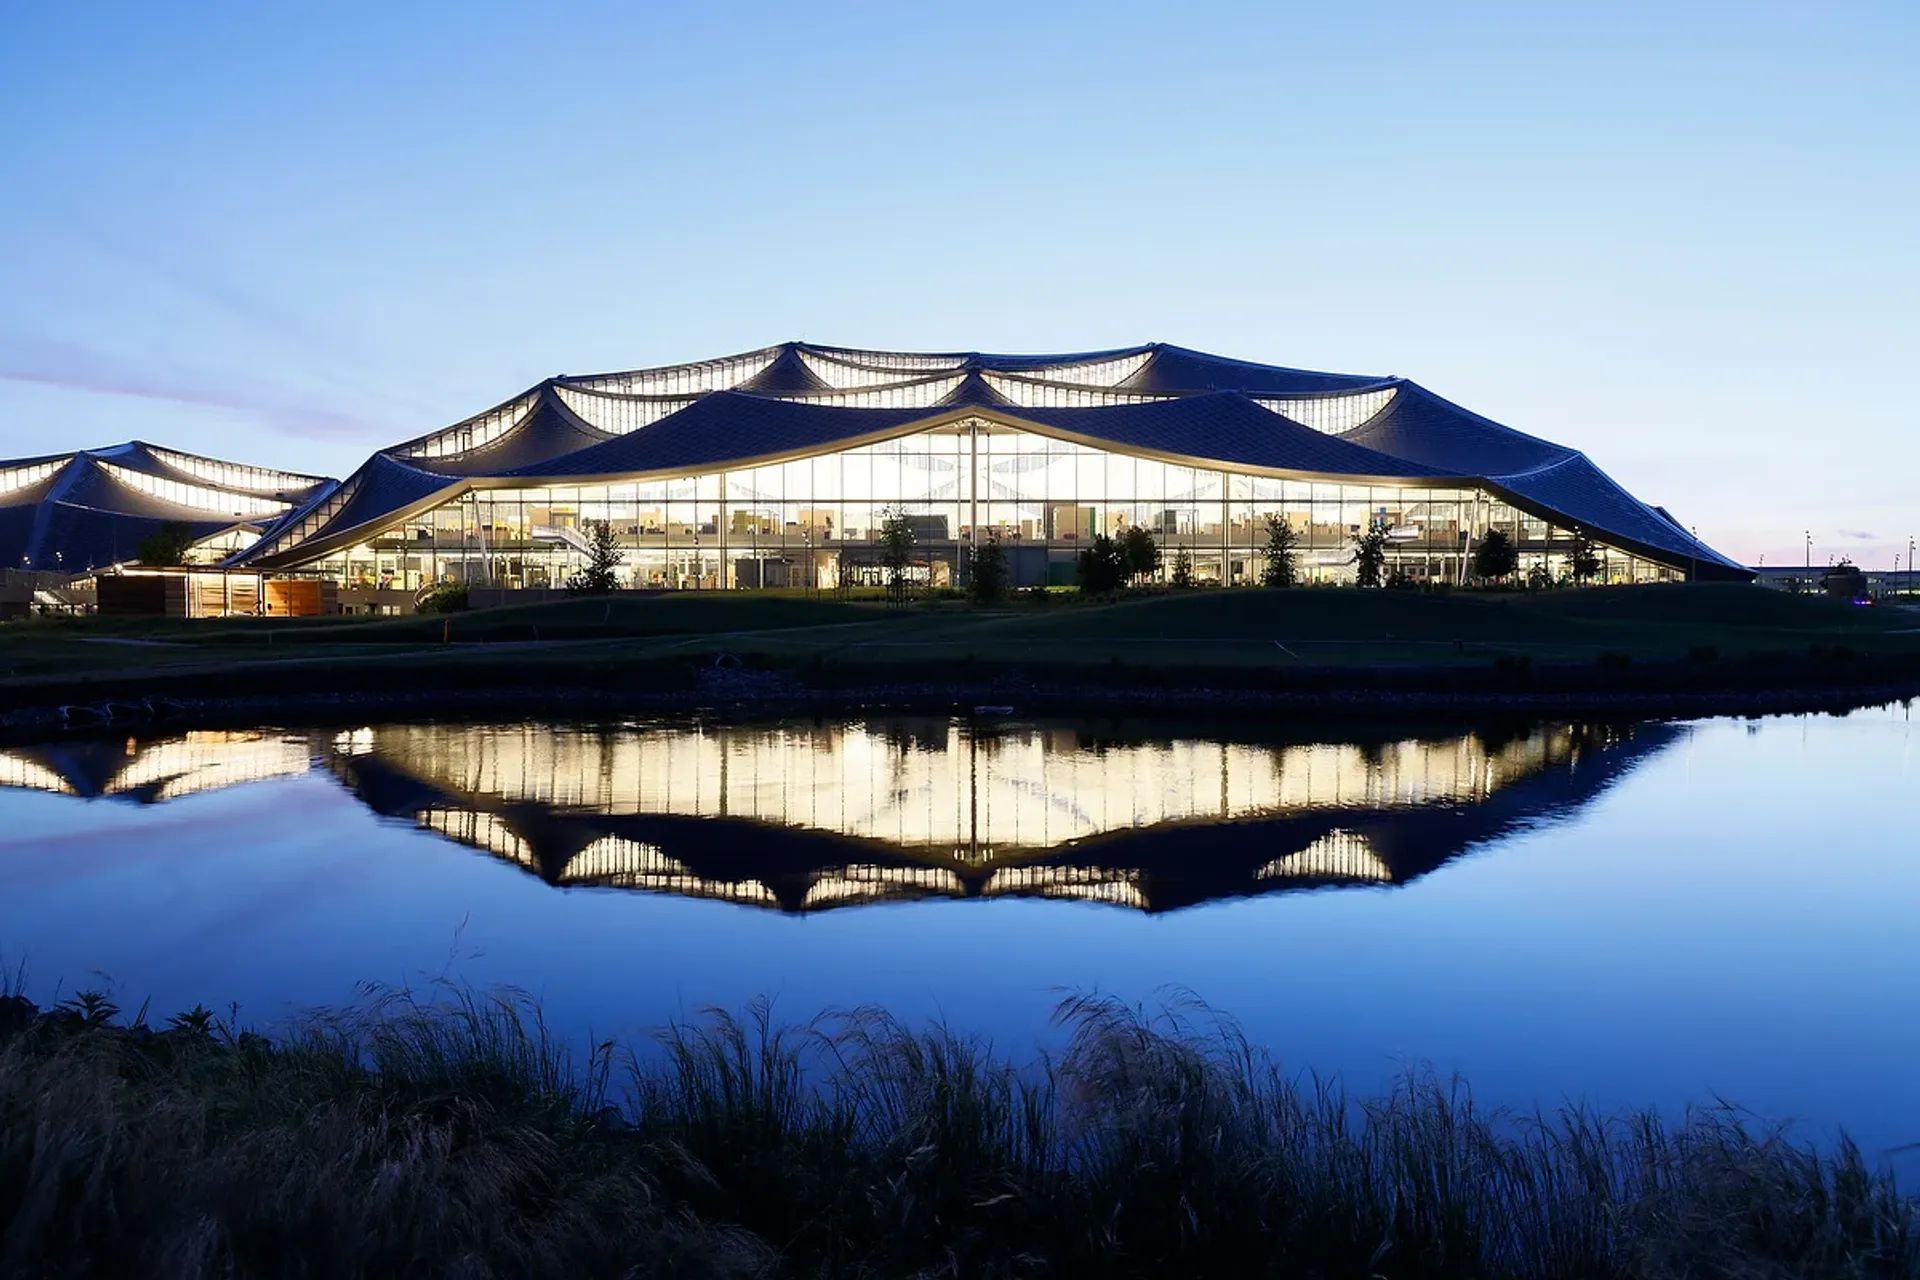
<point>1682,237</point>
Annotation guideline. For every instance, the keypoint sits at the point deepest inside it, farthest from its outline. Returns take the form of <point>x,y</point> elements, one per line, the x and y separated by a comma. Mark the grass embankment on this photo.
<point>1631,637</point>
<point>459,1140</point>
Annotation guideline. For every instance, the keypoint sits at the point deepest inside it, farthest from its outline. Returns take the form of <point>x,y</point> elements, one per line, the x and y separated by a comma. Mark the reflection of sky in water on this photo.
<point>1733,914</point>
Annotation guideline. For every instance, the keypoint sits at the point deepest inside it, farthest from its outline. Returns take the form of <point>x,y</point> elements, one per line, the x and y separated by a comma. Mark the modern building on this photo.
<point>70,514</point>
<point>778,467</point>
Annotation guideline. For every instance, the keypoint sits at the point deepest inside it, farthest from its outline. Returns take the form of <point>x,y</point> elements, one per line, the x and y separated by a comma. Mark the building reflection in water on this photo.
<point>806,816</point>
<point>153,770</point>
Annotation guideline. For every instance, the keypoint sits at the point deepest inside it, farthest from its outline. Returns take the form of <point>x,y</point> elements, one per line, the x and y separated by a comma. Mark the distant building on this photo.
<point>1811,581</point>
<point>777,467</point>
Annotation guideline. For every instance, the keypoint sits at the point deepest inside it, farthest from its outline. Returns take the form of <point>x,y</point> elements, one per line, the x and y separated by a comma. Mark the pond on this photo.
<point>1620,914</point>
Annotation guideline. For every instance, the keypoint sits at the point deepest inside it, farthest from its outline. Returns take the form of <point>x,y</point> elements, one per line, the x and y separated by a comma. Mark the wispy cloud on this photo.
<point>1859,535</point>
<point>72,367</point>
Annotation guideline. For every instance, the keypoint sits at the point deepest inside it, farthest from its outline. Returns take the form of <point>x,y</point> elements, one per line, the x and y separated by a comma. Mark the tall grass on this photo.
<point>457,1137</point>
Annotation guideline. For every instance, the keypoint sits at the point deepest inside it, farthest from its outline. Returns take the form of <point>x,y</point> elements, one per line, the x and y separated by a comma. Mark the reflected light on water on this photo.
<point>806,816</point>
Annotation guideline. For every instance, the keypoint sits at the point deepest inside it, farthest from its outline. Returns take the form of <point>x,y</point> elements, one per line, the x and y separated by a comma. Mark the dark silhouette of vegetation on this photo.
<point>459,1138</point>
<point>1583,560</point>
<point>1496,558</point>
<point>165,546</point>
<point>1141,552</point>
<point>1183,568</point>
<point>442,597</point>
<point>1539,577</point>
<point>896,551</point>
<point>1103,567</point>
<point>1370,554</point>
<point>598,577</point>
<point>1283,560</point>
<point>1844,580</point>
<point>987,576</point>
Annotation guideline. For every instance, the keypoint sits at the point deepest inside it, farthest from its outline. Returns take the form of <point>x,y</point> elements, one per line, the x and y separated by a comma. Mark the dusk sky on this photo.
<point>1684,238</point>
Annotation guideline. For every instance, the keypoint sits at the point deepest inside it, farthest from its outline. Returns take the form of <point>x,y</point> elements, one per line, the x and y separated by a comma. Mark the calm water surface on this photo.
<point>1621,914</point>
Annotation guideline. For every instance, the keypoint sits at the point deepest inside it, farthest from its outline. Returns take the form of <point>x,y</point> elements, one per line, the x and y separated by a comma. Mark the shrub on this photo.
<point>1103,566</point>
<point>443,597</point>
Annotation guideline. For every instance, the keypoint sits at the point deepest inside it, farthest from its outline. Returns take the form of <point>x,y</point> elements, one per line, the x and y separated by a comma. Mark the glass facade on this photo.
<point>815,521</point>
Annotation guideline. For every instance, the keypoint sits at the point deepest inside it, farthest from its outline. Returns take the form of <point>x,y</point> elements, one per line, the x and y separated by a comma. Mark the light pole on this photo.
<point>1693,571</point>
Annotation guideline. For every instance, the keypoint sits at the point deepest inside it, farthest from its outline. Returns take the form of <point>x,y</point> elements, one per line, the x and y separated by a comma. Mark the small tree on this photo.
<point>1103,566</point>
<point>1496,557</point>
<point>597,577</point>
<point>1370,553</point>
<point>1142,554</point>
<point>1583,561</point>
<point>896,551</point>
<point>1844,581</point>
<point>167,545</point>
<point>1183,568</point>
<point>1539,577</point>
<point>1283,564</point>
<point>987,571</point>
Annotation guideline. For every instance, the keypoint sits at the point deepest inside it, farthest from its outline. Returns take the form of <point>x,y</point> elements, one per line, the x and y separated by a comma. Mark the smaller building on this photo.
<point>213,593</point>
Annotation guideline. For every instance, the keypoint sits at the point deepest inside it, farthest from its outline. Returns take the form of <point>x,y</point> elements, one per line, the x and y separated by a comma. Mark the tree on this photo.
<point>1583,561</point>
<point>1496,557</point>
<point>597,577</point>
<point>1539,577</point>
<point>1103,566</point>
<point>896,550</point>
<point>1844,581</point>
<point>1183,568</point>
<point>167,545</point>
<point>1370,553</point>
<point>1283,564</point>
<point>987,571</point>
<point>1142,554</point>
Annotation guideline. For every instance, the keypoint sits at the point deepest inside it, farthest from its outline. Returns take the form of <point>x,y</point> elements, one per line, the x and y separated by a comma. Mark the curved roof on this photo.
<point>1156,399</point>
<point>93,507</point>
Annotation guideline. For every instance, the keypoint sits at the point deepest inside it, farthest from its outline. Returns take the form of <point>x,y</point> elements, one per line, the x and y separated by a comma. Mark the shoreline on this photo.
<point>743,694</point>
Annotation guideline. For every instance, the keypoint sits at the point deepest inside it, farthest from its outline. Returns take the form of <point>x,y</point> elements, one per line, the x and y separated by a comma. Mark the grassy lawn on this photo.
<point>1189,632</point>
